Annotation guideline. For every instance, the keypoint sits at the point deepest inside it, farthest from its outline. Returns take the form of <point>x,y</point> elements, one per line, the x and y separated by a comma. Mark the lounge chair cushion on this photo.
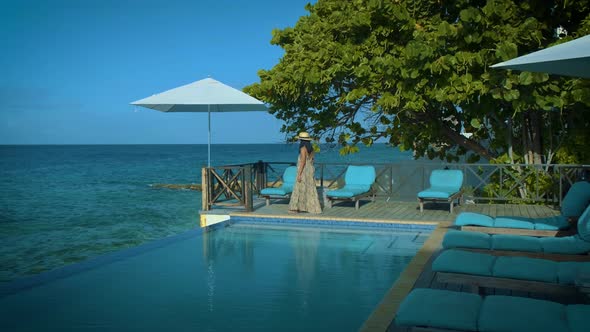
<point>289,176</point>
<point>514,222</point>
<point>569,272</point>
<point>584,225</point>
<point>348,191</point>
<point>286,188</point>
<point>449,179</point>
<point>525,268</point>
<point>443,184</point>
<point>577,317</point>
<point>495,313</point>
<point>477,219</point>
<point>463,239</point>
<point>511,267</point>
<point>275,191</point>
<point>358,180</point>
<point>437,192</point>
<point>439,308</point>
<point>516,243</point>
<point>569,245</point>
<point>576,200</point>
<point>461,261</point>
<point>573,205</point>
<point>360,175</point>
<point>507,313</point>
<point>552,223</point>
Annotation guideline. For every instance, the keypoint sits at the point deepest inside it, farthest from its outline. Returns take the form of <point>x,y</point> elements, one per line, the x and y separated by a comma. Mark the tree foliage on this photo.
<point>417,73</point>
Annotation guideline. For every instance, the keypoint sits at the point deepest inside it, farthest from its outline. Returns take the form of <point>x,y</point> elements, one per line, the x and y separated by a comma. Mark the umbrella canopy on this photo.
<point>568,59</point>
<point>206,95</point>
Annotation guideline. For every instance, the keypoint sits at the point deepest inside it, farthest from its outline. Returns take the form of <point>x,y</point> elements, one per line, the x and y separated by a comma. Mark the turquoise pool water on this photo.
<point>249,276</point>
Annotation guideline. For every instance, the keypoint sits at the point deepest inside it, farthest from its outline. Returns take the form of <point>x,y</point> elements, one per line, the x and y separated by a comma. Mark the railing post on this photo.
<point>537,195</point>
<point>322,175</point>
<point>390,180</point>
<point>205,189</point>
<point>248,188</point>
<point>560,186</point>
<point>423,177</point>
<point>264,176</point>
<point>501,191</point>
<point>260,175</point>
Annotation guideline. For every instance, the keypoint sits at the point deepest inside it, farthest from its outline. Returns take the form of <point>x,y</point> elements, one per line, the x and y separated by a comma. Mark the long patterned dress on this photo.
<point>305,195</point>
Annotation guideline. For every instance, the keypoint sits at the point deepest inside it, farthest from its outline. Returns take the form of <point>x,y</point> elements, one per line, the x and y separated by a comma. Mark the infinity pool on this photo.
<point>249,276</point>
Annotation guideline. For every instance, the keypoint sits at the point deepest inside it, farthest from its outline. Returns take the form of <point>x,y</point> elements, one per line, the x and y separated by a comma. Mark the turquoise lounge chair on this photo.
<point>285,190</point>
<point>445,185</point>
<point>358,182</point>
<point>573,205</point>
<point>578,244</point>
<point>437,309</point>
<point>508,272</point>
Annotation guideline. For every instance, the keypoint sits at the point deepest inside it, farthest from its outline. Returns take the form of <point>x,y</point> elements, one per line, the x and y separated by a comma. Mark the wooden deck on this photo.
<point>395,211</point>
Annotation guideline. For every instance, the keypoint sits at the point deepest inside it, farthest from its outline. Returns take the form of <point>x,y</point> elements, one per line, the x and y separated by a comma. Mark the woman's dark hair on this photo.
<point>307,145</point>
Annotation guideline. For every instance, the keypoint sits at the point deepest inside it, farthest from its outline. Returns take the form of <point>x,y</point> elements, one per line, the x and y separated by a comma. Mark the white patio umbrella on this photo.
<point>568,59</point>
<point>206,95</point>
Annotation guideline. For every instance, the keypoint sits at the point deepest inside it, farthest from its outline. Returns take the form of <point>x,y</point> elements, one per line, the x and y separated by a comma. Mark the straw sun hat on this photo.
<point>304,136</point>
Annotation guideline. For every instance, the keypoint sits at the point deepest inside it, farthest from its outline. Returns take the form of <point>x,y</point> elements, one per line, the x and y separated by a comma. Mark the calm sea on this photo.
<point>61,204</point>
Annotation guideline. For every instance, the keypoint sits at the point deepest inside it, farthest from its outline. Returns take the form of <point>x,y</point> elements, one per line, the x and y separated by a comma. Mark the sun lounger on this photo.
<point>578,244</point>
<point>445,186</point>
<point>573,205</point>
<point>443,310</point>
<point>505,272</point>
<point>358,182</point>
<point>285,190</point>
<point>567,245</point>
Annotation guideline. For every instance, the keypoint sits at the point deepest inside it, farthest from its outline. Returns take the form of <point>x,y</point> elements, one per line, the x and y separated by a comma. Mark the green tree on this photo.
<point>417,74</point>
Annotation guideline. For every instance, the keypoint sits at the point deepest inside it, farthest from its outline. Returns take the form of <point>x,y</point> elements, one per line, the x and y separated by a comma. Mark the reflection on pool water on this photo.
<point>248,276</point>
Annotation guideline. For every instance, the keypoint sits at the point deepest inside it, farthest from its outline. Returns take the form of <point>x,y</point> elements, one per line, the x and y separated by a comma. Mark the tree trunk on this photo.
<point>467,143</point>
<point>509,133</point>
<point>533,148</point>
<point>536,130</point>
<point>457,138</point>
<point>509,139</point>
<point>532,143</point>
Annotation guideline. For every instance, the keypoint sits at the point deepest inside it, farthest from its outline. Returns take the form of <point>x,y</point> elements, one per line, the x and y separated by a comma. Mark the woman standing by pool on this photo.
<point>305,195</point>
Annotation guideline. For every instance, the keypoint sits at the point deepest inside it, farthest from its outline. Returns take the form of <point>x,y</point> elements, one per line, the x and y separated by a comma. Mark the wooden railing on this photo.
<point>236,185</point>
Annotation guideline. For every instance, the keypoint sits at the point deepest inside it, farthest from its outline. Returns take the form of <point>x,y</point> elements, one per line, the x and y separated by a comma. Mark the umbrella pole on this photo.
<point>209,140</point>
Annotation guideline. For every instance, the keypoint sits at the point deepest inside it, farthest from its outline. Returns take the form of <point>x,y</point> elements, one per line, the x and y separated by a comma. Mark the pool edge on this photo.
<point>31,281</point>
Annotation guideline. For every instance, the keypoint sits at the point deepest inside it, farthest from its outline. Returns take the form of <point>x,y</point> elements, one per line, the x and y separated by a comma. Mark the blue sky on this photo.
<point>69,69</point>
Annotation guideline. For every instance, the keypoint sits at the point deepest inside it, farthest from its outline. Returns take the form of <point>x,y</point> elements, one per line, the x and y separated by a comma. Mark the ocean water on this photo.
<point>66,203</point>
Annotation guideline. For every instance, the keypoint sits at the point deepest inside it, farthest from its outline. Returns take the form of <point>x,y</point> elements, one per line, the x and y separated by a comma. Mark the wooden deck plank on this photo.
<point>394,211</point>
<point>536,212</point>
<point>524,211</point>
<point>527,211</point>
<point>500,210</point>
<point>489,209</point>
